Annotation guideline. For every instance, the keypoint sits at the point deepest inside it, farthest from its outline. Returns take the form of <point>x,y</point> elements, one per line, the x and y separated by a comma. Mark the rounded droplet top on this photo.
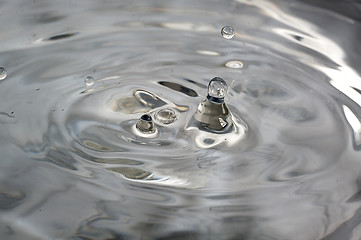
<point>217,89</point>
<point>89,81</point>
<point>145,124</point>
<point>3,73</point>
<point>227,32</point>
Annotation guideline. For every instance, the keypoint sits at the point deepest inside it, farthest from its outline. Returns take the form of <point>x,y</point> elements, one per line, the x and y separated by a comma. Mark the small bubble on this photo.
<point>217,89</point>
<point>234,64</point>
<point>89,81</point>
<point>3,73</point>
<point>166,116</point>
<point>145,124</point>
<point>227,32</point>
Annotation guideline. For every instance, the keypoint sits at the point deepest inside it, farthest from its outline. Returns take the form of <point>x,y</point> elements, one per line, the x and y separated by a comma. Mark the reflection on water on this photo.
<point>284,162</point>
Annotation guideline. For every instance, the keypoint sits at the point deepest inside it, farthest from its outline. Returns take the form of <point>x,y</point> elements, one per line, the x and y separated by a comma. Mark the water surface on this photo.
<point>72,166</point>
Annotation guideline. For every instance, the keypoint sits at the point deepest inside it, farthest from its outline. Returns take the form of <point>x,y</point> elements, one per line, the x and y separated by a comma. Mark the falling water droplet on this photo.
<point>217,89</point>
<point>3,73</point>
<point>166,116</point>
<point>227,32</point>
<point>89,81</point>
<point>145,124</point>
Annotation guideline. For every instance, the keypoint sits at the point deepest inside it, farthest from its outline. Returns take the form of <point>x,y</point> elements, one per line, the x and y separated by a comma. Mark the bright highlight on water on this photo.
<point>234,64</point>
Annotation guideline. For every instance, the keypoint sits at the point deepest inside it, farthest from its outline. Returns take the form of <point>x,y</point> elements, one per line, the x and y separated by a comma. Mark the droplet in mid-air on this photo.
<point>89,81</point>
<point>3,73</point>
<point>145,124</point>
<point>166,116</point>
<point>217,89</point>
<point>227,32</point>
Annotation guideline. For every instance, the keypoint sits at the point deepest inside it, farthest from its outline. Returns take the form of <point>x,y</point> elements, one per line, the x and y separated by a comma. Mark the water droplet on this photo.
<point>3,73</point>
<point>217,89</point>
<point>166,116</point>
<point>227,32</point>
<point>89,81</point>
<point>234,64</point>
<point>145,124</point>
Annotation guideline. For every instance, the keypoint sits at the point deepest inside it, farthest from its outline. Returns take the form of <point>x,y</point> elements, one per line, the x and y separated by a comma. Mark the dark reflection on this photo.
<point>148,99</point>
<point>105,234</point>
<point>346,229</point>
<point>131,172</point>
<point>357,196</point>
<point>350,9</point>
<point>196,83</point>
<point>298,38</point>
<point>61,36</point>
<point>95,146</point>
<point>356,89</point>
<point>10,199</point>
<point>179,88</point>
<point>182,235</point>
<point>48,17</point>
<point>61,157</point>
<point>117,161</point>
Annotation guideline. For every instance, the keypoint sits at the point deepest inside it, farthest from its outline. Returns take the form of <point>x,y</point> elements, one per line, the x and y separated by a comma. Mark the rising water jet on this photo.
<point>213,123</point>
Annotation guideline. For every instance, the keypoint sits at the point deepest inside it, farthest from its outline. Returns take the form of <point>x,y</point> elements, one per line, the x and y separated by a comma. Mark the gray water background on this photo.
<point>72,168</point>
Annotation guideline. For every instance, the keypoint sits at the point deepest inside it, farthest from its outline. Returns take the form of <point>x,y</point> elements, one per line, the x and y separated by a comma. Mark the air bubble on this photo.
<point>145,124</point>
<point>3,73</point>
<point>89,81</point>
<point>217,89</point>
<point>166,116</point>
<point>227,32</point>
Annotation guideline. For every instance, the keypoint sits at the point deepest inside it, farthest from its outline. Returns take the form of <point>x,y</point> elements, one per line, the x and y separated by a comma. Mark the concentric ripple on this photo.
<point>80,75</point>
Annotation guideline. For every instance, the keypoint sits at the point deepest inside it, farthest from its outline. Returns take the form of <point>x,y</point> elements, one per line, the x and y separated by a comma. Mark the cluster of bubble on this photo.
<point>213,112</point>
<point>145,123</point>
